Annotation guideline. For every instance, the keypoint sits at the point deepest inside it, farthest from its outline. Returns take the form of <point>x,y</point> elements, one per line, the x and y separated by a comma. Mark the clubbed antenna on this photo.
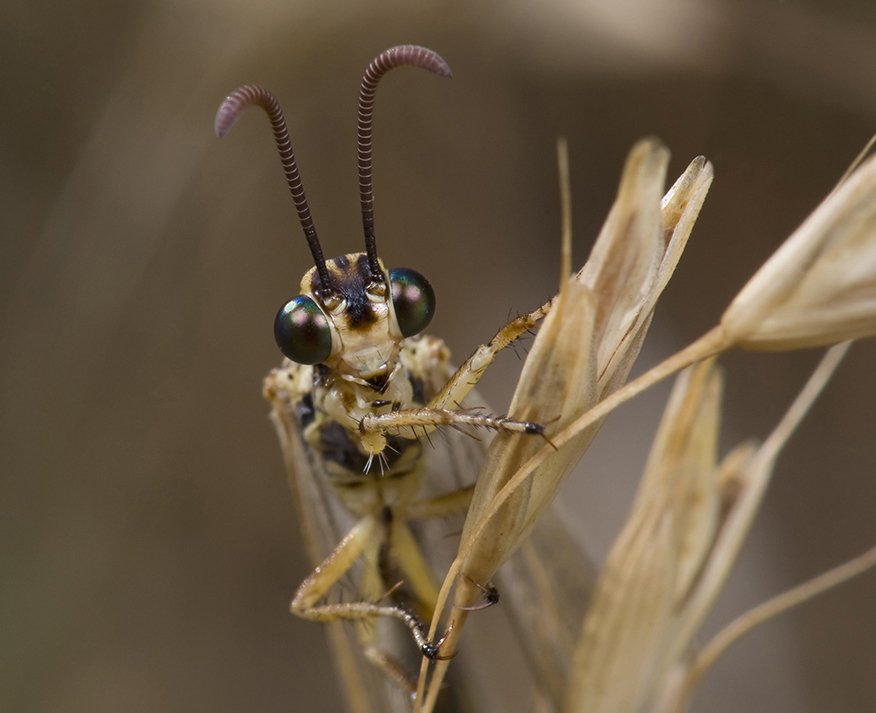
<point>226,116</point>
<point>380,65</point>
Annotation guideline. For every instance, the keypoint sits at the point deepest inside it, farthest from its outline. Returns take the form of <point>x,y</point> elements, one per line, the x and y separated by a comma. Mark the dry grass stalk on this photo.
<point>680,541</point>
<point>691,515</point>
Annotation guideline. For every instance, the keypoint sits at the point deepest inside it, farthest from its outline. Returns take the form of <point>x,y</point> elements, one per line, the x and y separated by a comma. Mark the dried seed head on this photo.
<point>640,593</point>
<point>590,339</point>
<point>819,287</point>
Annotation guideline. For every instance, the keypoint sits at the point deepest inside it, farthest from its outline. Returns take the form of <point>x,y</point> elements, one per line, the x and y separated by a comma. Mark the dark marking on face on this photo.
<point>349,282</point>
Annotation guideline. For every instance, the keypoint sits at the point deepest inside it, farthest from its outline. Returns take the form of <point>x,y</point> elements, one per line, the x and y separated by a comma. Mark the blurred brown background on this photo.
<point>149,545</point>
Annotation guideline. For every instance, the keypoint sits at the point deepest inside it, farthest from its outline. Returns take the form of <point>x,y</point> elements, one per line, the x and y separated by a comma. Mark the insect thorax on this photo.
<point>328,408</point>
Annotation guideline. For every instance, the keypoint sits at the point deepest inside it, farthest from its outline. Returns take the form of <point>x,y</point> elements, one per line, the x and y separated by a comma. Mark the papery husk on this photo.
<point>819,287</point>
<point>627,637</point>
<point>742,478</point>
<point>707,511</point>
<point>681,468</point>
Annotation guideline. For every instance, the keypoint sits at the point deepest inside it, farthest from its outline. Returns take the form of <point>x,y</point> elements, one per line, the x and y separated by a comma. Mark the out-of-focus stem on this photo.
<point>770,608</point>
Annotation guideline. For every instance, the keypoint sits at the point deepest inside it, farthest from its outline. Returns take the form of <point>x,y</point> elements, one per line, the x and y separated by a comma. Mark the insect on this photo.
<point>360,391</point>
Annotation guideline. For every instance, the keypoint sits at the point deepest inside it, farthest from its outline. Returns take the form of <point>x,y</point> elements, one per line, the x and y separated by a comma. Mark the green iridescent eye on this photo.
<point>413,299</point>
<point>302,331</point>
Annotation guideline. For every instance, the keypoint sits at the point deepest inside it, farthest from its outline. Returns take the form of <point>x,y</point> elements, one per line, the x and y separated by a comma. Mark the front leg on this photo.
<point>469,374</point>
<point>412,423</point>
<point>443,408</point>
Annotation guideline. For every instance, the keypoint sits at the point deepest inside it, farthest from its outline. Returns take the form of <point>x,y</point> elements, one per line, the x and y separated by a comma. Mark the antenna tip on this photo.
<point>226,115</point>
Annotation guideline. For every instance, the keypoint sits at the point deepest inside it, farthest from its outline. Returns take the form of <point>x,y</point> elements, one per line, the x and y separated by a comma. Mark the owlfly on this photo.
<point>363,393</point>
<point>356,404</point>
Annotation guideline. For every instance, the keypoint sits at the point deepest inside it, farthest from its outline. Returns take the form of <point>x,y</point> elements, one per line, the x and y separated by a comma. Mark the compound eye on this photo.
<point>302,331</point>
<point>413,299</point>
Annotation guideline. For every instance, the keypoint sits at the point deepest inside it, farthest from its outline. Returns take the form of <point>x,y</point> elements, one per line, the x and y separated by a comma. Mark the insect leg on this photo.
<point>411,423</point>
<point>469,374</point>
<point>443,408</point>
<point>373,587</point>
<point>363,535</point>
<point>332,568</point>
<point>442,506</point>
